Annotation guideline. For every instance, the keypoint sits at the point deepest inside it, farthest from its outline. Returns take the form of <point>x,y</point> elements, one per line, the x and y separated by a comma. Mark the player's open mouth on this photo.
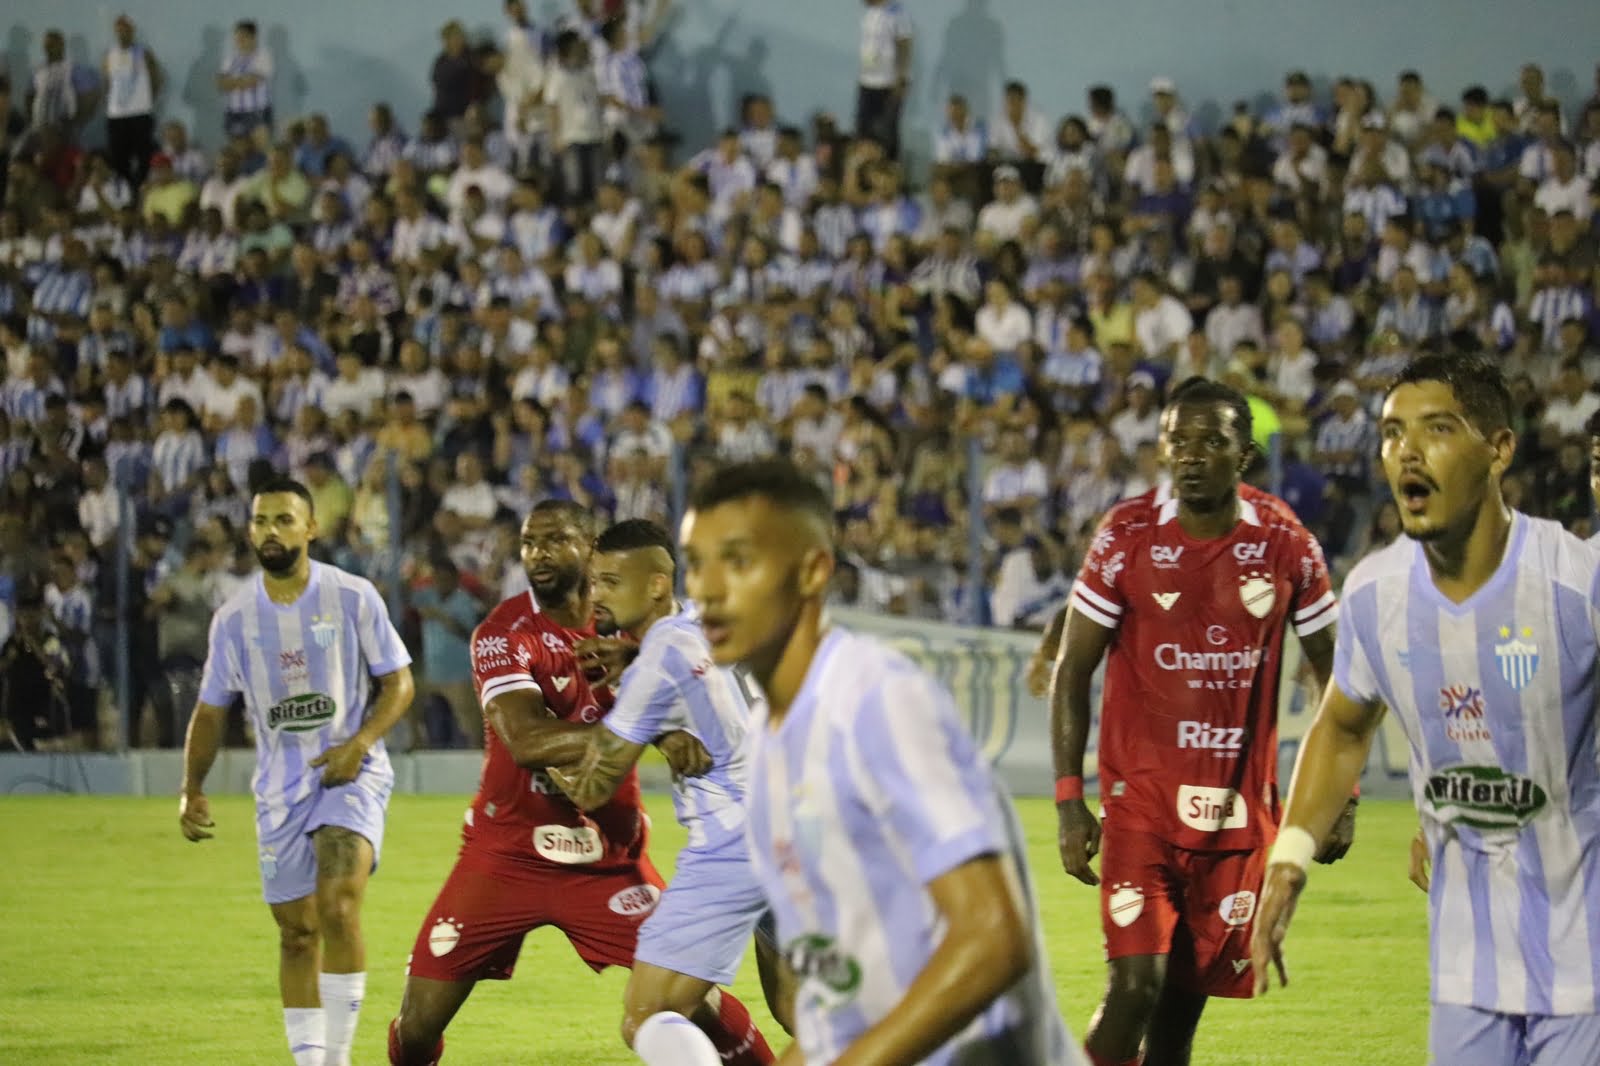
<point>1415,491</point>
<point>716,632</point>
<point>542,575</point>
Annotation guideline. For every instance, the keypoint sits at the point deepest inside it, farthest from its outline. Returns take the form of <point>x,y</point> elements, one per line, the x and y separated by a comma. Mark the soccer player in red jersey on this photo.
<point>1187,596</point>
<point>529,857</point>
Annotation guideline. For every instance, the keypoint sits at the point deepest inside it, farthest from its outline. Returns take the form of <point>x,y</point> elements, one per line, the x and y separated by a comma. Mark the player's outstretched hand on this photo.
<point>603,659</point>
<point>1078,836</point>
<point>194,816</point>
<point>1040,667</point>
<point>1341,836</point>
<point>684,754</point>
<point>1280,894</point>
<point>1421,862</point>
<point>340,765</point>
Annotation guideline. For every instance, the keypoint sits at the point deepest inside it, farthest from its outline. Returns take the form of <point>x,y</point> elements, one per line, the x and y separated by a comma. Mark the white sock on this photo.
<point>306,1037</point>
<point>669,1039</point>
<point>341,1006</point>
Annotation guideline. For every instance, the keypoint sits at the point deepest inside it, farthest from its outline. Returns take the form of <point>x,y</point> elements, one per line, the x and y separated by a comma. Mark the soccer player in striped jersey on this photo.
<point>301,644</point>
<point>1480,630</point>
<point>695,937</point>
<point>891,857</point>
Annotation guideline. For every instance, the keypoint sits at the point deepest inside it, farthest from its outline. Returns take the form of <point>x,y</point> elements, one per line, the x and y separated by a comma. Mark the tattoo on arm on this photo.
<point>591,782</point>
<point>341,852</point>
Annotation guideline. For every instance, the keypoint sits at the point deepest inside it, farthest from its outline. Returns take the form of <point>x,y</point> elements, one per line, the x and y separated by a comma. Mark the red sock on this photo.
<point>736,1037</point>
<point>397,1055</point>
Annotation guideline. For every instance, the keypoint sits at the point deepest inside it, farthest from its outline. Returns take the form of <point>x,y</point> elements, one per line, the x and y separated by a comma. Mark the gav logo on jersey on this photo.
<point>1518,657</point>
<point>304,713</point>
<point>1484,797</point>
<point>1164,557</point>
<point>826,970</point>
<point>1250,553</point>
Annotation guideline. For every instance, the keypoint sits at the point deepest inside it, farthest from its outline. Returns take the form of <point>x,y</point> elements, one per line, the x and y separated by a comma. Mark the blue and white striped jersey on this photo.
<point>305,671</point>
<point>1497,696</point>
<point>673,685</point>
<point>867,791</point>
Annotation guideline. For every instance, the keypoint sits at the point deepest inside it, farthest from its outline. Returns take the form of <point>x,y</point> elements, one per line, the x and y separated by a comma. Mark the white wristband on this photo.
<point>1294,846</point>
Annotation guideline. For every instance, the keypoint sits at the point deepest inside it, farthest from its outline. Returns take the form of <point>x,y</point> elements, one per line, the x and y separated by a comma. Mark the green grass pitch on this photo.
<point>126,944</point>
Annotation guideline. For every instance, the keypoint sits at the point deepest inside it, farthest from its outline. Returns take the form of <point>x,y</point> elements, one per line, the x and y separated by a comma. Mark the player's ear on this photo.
<point>816,571</point>
<point>1503,443</point>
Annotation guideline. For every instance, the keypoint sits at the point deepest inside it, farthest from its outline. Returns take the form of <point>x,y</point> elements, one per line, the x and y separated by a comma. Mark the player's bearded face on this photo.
<point>555,555</point>
<point>1439,466</point>
<point>280,529</point>
<point>620,593</point>
<point>1204,452</point>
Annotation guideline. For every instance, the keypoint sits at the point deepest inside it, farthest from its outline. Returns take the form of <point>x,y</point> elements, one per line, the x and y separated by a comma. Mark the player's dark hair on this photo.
<point>570,510</point>
<point>283,483</point>
<point>1200,389</point>
<point>634,534</point>
<point>778,481</point>
<point>1477,384</point>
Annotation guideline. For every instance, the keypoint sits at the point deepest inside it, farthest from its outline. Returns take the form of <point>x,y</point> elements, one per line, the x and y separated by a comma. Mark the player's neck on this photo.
<point>289,587</point>
<point>1208,525</point>
<point>665,610</point>
<point>782,680</point>
<point>574,611</point>
<point>1463,563</point>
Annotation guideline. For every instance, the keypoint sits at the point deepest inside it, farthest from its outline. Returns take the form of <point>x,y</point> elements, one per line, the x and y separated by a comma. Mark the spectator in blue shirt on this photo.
<point>448,613</point>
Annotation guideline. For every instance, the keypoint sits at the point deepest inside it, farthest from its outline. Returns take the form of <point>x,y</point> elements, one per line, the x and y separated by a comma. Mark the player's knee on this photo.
<point>339,911</point>
<point>1134,987</point>
<point>297,938</point>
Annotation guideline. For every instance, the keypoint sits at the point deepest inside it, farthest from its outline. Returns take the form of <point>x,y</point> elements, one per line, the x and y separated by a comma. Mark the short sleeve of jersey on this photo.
<point>222,678</point>
<point>1315,606</point>
<point>1352,668</point>
<point>381,645</point>
<point>649,693</point>
<point>1097,593</point>
<point>923,777</point>
<point>502,661</point>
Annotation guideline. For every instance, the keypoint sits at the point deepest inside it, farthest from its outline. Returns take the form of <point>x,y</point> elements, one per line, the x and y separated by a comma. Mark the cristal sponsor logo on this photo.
<point>491,653</point>
<point>304,713</point>
<point>630,902</point>
<point>1210,809</point>
<point>444,936</point>
<point>1463,709</point>
<point>1165,557</point>
<point>1112,567</point>
<point>1225,669</point>
<point>523,656</point>
<point>292,660</point>
<point>1206,737</point>
<point>826,969</point>
<point>1484,797</point>
<point>568,845</point>
<point>1250,553</point>
<point>1238,909</point>
<point>1125,904</point>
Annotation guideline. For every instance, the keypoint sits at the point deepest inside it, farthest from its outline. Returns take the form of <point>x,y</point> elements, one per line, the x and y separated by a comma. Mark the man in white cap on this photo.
<point>1169,112</point>
<point>1003,218</point>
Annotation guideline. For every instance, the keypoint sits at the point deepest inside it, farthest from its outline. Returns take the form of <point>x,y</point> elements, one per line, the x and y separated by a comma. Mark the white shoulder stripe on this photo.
<point>1321,605</point>
<point>1321,621</point>
<point>499,686</point>
<point>1092,612</point>
<point>1097,600</point>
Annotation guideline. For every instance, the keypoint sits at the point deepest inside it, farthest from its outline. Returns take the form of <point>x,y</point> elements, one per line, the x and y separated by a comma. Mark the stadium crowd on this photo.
<point>534,290</point>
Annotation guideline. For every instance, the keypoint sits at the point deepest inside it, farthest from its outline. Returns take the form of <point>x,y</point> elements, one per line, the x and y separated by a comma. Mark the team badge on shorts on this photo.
<point>1518,657</point>
<point>444,936</point>
<point>1125,904</point>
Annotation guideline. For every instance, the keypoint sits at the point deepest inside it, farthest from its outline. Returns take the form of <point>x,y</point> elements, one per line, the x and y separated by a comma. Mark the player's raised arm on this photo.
<point>1083,644</point>
<point>1329,764</point>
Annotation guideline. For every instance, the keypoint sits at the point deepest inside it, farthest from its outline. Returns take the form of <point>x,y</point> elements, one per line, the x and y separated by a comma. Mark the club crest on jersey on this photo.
<point>1257,592</point>
<point>1518,657</point>
<point>323,632</point>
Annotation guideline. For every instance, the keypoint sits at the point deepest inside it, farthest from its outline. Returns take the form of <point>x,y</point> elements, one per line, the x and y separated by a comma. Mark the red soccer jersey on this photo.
<point>521,814</point>
<point>1189,711</point>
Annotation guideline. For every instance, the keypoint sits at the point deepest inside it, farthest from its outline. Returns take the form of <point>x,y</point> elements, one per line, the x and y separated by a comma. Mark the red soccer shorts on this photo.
<point>1195,907</point>
<point>487,905</point>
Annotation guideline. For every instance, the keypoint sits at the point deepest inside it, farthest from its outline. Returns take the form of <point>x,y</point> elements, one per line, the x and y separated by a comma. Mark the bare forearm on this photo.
<point>965,974</point>
<point>1326,771</point>
<point>1069,723</point>
<point>201,744</point>
<point>542,745</point>
<point>394,699</point>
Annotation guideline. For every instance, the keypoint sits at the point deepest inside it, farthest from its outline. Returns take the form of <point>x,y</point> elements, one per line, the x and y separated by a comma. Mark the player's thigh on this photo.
<point>287,860</point>
<point>1220,890</point>
<point>703,922</point>
<point>1564,1040</point>
<point>652,989</point>
<point>1138,906</point>
<point>1466,1036</point>
<point>474,930</point>
<point>361,807</point>
<point>601,912</point>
